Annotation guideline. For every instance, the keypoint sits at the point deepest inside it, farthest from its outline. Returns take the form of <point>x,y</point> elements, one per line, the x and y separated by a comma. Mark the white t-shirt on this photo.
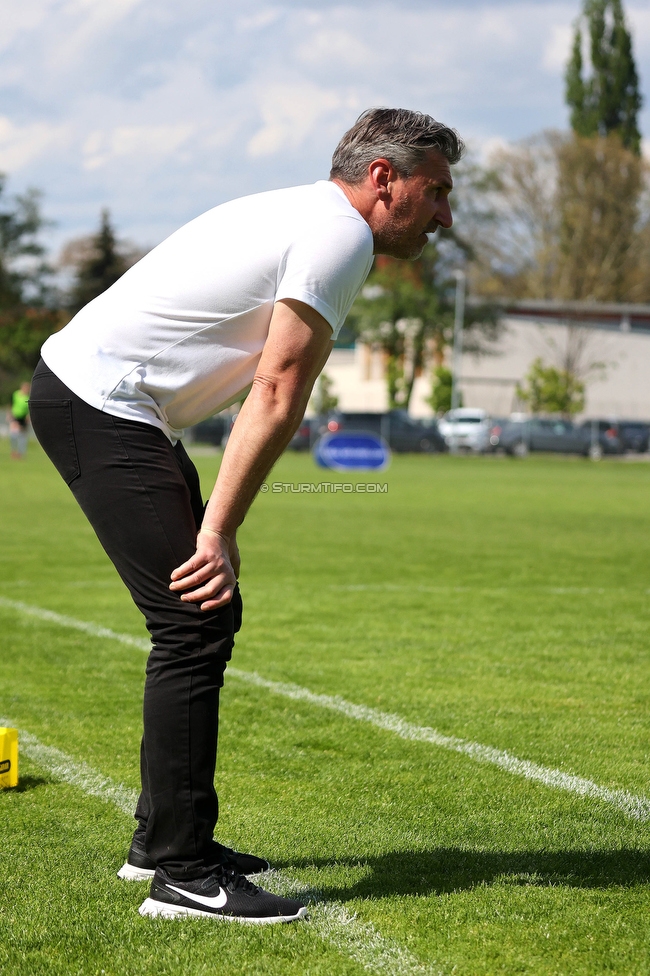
<point>179,336</point>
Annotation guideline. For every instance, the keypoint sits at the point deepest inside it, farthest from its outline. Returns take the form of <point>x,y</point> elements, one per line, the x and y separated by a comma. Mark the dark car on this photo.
<point>495,433</point>
<point>215,430</point>
<point>604,436</point>
<point>536,434</point>
<point>302,439</point>
<point>635,435</point>
<point>402,432</point>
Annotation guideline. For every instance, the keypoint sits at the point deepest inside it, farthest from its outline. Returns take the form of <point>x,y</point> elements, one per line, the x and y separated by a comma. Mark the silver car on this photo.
<point>466,428</point>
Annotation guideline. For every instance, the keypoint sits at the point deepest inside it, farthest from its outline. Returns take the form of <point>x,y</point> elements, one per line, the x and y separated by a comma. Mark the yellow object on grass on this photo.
<point>8,757</point>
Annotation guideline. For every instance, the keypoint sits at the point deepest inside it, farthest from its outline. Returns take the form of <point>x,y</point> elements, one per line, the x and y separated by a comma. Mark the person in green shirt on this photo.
<point>18,421</point>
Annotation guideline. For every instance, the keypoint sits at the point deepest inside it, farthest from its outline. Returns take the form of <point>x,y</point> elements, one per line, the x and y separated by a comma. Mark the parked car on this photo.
<point>496,427</point>
<point>467,428</point>
<point>537,434</point>
<point>402,432</point>
<point>635,435</point>
<point>302,439</point>
<point>215,430</point>
<point>604,436</point>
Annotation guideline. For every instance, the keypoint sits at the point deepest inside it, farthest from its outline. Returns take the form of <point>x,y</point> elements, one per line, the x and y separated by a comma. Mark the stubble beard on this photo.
<point>398,248</point>
<point>397,238</point>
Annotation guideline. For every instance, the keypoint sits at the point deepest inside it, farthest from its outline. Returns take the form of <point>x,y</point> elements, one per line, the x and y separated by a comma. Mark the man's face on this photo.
<point>419,204</point>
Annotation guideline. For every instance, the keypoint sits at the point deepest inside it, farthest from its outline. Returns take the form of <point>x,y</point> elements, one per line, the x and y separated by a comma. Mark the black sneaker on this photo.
<point>243,863</point>
<point>139,866</point>
<point>223,894</point>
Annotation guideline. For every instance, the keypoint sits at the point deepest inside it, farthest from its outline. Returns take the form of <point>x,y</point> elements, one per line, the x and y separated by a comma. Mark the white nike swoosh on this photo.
<point>217,902</point>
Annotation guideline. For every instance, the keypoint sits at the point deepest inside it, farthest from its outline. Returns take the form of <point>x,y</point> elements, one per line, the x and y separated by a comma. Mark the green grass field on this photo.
<point>503,602</point>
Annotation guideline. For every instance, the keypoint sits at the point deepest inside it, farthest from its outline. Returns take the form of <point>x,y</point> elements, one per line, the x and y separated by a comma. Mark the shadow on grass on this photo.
<point>447,870</point>
<point>26,783</point>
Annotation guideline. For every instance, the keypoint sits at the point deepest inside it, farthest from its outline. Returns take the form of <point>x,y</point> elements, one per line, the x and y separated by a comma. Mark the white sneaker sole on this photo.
<point>128,872</point>
<point>158,909</point>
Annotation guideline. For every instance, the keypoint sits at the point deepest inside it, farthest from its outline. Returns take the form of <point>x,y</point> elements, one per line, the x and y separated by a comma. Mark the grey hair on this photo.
<point>396,134</point>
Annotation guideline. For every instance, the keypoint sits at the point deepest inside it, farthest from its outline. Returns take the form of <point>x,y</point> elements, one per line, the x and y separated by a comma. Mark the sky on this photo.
<point>160,109</point>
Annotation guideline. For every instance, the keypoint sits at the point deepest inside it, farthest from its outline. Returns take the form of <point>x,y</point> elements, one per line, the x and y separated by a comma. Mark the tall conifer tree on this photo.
<point>101,267</point>
<point>609,100</point>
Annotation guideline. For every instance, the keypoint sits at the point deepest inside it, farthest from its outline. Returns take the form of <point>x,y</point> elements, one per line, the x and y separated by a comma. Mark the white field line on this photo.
<point>637,807</point>
<point>330,920</point>
<point>358,939</point>
<point>69,770</point>
<point>425,588</point>
<point>632,805</point>
<point>58,618</point>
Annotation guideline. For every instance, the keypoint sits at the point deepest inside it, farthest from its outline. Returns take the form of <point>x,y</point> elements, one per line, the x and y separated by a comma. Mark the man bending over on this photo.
<point>249,296</point>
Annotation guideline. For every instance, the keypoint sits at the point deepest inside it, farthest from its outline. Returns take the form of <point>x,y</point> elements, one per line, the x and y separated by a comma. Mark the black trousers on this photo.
<point>143,499</point>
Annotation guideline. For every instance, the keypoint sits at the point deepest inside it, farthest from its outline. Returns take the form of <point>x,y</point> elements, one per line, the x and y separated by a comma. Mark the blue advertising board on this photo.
<point>352,451</point>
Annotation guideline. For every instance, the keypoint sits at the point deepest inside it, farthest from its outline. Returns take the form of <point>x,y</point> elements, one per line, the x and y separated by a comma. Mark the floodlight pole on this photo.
<point>457,353</point>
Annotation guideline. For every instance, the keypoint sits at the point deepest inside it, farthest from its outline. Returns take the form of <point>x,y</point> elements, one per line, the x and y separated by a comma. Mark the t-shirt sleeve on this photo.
<point>327,266</point>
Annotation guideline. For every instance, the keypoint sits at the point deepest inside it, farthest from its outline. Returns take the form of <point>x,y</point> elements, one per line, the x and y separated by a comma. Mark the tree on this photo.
<point>99,260</point>
<point>552,390</point>
<point>570,212</point>
<point>516,252</point>
<point>323,399</point>
<point>572,222</point>
<point>609,101</point>
<point>27,315</point>
<point>406,309</point>
<point>598,195</point>
<point>23,273</point>
<point>440,399</point>
<point>638,280</point>
<point>397,310</point>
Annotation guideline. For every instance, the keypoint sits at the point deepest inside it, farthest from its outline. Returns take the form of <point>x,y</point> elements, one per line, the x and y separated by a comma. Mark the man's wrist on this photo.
<point>224,536</point>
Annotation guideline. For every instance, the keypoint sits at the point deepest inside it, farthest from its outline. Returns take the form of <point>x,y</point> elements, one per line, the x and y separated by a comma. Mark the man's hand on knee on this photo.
<point>210,576</point>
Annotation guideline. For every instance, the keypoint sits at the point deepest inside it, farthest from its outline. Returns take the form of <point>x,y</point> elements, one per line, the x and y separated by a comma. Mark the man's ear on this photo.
<point>382,174</point>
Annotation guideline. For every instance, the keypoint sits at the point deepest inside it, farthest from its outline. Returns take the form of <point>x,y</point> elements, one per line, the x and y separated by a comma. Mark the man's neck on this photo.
<point>358,197</point>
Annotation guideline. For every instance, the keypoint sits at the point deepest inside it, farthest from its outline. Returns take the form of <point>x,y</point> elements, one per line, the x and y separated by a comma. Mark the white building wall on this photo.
<point>617,388</point>
<point>360,384</point>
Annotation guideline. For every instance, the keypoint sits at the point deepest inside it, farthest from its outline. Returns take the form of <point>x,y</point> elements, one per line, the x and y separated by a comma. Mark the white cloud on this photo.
<point>160,110</point>
<point>259,20</point>
<point>335,46</point>
<point>100,148</point>
<point>290,114</point>
<point>19,145</point>
<point>17,17</point>
<point>487,149</point>
<point>638,19</point>
<point>558,49</point>
<point>88,22</point>
<point>498,26</point>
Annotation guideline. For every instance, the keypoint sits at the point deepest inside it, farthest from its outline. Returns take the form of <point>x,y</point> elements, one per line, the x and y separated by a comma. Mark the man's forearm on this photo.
<point>264,427</point>
<point>296,349</point>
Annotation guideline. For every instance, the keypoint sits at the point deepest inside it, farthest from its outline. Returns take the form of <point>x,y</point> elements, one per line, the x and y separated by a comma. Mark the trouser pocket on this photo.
<point>237,609</point>
<point>53,426</point>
